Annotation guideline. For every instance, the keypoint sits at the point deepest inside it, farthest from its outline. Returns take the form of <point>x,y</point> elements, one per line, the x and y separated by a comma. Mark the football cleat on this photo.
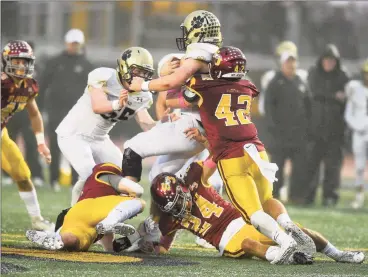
<point>353,257</point>
<point>124,229</point>
<point>304,242</point>
<point>287,249</point>
<point>301,258</point>
<point>47,240</point>
<point>203,243</point>
<point>41,224</point>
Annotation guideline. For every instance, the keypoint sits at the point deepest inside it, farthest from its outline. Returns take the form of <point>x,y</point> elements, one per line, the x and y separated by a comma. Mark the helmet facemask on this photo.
<point>134,70</point>
<point>181,206</point>
<point>11,69</point>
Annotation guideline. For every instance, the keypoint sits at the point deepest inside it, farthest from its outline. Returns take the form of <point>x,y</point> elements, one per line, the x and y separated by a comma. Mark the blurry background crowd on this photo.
<point>101,30</point>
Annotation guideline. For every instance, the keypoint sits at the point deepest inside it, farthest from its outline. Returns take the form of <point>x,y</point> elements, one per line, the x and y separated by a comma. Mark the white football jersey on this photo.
<point>83,121</point>
<point>356,111</point>
<point>266,79</point>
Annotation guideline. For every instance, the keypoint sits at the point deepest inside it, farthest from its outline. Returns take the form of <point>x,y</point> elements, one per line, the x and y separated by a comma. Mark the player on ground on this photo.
<point>356,116</point>
<point>18,91</point>
<point>83,135</point>
<point>191,205</point>
<point>224,103</point>
<point>285,46</point>
<point>105,203</point>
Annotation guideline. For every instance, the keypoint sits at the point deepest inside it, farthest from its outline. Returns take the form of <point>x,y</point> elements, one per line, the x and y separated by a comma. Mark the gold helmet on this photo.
<point>135,62</point>
<point>200,26</point>
<point>286,46</point>
<point>365,66</point>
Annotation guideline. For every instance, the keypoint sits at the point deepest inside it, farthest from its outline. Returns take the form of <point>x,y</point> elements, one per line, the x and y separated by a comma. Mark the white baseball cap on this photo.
<point>74,35</point>
<point>287,55</point>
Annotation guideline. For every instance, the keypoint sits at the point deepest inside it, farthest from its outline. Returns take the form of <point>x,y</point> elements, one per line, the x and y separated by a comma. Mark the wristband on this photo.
<point>145,86</point>
<point>40,138</point>
<point>115,105</point>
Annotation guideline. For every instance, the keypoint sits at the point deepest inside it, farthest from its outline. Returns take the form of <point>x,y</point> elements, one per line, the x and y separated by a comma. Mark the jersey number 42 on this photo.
<point>236,117</point>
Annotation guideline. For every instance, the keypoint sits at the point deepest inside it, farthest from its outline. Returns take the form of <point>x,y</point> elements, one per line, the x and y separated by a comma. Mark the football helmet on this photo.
<point>135,62</point>
<point>286,46</point>
<point>200,26</point>
<point>228,62</point>
<point>18,49</point>
<point>171,195</point>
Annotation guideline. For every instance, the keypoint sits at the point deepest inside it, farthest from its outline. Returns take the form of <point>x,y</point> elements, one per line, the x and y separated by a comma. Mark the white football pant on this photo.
<point>360,148</point>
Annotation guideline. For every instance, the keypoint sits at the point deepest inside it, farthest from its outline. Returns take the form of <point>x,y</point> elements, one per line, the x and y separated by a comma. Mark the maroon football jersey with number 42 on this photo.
<point>224,107</point>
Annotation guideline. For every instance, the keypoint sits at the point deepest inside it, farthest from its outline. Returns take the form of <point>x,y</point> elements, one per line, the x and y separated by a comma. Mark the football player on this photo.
<point>192,205</point>
<point>83,135</point>
<point>224,102</point>
<point>105,203</point>
<point>18,91</point>
<point>285,46</point>
<point>201,38</point>
<point>356,116</point>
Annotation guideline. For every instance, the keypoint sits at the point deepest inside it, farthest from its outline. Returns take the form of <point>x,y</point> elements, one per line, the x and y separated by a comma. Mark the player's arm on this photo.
<point>175,80</point>
<point>161,106</point>
<point>122,185</point>
<point>37,127</point>
<point>144,120</point>
<point>165,243</point>
<point>100,103</point>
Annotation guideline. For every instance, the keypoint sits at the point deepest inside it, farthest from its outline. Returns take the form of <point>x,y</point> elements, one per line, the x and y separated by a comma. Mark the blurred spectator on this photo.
<point>19,125</point>
<point>356,116</point>
<point>63,81</point>
<point>326,80</point>
<point>287,109</point>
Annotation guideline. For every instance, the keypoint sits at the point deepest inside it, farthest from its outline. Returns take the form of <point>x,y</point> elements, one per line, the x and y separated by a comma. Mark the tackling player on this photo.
<point>105,203</point>
<point>18,91</point>
<point>356,116</point>
<point>191,205</point>
<point>224,103</point>
<point>83,135</point>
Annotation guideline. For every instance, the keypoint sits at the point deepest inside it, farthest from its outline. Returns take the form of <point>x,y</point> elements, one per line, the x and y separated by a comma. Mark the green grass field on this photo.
<point>344,227</point>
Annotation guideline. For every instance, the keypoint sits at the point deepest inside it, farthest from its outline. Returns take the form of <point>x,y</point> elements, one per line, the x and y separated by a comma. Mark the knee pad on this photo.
<point>132,164</point>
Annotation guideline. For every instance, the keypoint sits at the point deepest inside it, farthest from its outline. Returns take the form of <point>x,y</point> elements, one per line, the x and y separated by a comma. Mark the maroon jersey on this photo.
<point>94,187</point>
<point>210,214</point>
<point>14,97</point>
<point>224,107</point>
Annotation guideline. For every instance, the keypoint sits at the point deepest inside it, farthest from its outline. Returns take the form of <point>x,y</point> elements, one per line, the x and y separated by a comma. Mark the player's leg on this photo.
<point>18,169</point>
<point>359,145</point>
<point>79,153</point>
<point>277,210</point>
<point>243,193</point>
<point>327,248</point>
<point>163,139</point>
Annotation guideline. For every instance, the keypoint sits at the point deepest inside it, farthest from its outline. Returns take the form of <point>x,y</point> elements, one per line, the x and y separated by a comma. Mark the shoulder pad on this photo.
<point>200,51</point>
<point>266,78</point>
<point>98,77</point>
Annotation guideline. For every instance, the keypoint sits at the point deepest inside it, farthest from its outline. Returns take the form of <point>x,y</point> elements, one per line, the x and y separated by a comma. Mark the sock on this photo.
<point>123,211</point>
<point>76,191</point>
<point>269,227</point>
<point>283,220</point>
<point>31,201</point>
<point>331,251</point>
<point>271,253</point>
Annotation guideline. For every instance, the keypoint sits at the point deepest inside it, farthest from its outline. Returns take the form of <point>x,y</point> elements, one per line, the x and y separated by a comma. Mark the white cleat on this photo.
<point>305,242</point>
<point>352,257</point>
<point>287,249</point>
<point>124,229</point>
<point>41,224</point>
<point>47,240</point>
<point>359,201</point>
<point>203,243</point>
